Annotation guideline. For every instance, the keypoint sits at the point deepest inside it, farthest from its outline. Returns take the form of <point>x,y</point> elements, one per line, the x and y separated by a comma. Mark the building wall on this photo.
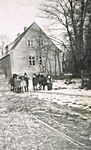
<point>5,65</point>
<point>42,46</point>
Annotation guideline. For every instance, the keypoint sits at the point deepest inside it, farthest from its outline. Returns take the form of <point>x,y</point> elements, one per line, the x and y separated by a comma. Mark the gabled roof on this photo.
<point>18,39</point>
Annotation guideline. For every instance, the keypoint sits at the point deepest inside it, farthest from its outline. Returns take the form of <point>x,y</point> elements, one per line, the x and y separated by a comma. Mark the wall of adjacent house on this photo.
<point>5,65</point>
<point>40,51</point>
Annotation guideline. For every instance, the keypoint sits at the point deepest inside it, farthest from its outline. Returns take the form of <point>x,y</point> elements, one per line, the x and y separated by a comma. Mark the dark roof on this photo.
<point>4,56</point>
<point>18,39</point>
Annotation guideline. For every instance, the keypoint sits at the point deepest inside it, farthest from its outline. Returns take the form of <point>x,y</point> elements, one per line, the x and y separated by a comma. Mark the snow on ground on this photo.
<point>59,86</point>
<point>73,90</point>
<point>57,93</point>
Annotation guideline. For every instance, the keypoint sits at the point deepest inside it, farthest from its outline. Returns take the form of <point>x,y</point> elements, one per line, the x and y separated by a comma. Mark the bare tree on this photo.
<point>45,49</point>
<point>71,16</point>
<point>4,40</point>
<point>88,42</point>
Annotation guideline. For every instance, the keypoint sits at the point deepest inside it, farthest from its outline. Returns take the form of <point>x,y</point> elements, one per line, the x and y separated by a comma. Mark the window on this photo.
<point>31,43</point>
<point>28,42</point>
<point>40,60</point>
<point>32,61</point>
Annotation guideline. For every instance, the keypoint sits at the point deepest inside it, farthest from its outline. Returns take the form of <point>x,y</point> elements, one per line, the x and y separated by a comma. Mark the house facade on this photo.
<point>31,52</point>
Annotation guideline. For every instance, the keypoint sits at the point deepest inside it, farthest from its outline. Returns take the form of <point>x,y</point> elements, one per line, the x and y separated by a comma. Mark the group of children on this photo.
<point>40,81</point>
<point>19,83</point>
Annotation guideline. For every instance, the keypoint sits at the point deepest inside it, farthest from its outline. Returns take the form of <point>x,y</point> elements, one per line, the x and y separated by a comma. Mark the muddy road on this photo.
<point>44,121</point>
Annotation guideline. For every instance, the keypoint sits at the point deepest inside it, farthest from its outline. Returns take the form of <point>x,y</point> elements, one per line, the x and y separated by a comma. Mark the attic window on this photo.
<point>40,60</point>
<point>31,60</point>
<point>28,42</point>
<point>31,43</point>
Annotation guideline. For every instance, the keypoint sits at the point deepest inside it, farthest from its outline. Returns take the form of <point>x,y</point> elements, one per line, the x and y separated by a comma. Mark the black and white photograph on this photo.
<point>45,74</point>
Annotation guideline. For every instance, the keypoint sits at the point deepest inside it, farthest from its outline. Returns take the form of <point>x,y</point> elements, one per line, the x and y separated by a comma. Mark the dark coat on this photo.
<point>11,81</point>
<point>40,79</point>
<point>34,80</point>
<point>26,79</point>
<point>44,80</point>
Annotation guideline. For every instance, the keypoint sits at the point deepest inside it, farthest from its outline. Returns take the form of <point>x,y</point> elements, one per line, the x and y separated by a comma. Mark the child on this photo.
<point>49,83</point>
<point>27,81</point>
<point>23,84</point>
<point>34,81</point>
<point>17,82</point>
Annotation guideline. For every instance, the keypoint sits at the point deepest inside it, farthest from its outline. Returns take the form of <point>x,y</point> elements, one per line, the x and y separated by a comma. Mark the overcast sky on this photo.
<point>16,14</point>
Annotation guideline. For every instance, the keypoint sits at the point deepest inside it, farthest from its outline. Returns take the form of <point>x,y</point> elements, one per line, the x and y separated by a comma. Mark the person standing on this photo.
<point>40,80</point>
<point>23,84</point>
<point>27,81</point>
<point>44,81</point>
<point>34,81</point>
<point>11,81</point>
<point>17,82</point>
<point>49,83</point>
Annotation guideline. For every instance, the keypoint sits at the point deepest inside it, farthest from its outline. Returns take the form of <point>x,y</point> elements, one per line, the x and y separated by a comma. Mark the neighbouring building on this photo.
<point>31,52</point>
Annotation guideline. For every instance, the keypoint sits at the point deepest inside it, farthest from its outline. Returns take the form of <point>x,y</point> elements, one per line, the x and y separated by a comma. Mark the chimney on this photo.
<point>18,34</point>
<point>7,49</point>
<point>25,28</point>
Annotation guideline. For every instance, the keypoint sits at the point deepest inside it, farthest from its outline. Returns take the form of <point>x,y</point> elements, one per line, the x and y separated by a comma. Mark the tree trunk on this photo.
<point>59,65</point>
<point>55,64</point>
